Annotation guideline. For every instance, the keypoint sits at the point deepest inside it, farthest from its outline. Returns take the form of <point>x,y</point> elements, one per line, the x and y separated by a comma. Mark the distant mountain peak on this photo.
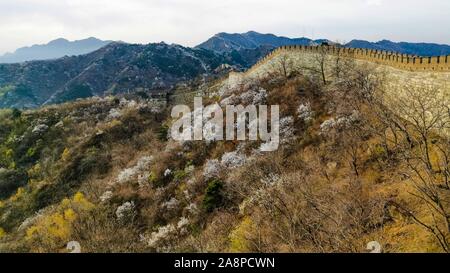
<point>54,49</point>
<point>228,42</point>
<point>58,41</point>
<point>419,49</point>
<point>224,42</point>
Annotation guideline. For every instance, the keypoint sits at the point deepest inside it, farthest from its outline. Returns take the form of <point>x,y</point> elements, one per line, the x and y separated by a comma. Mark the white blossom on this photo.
<point>247,97</point>
<point>163,233</point>
<point>233,160</point>
<point>128,103</point>
<point>106,196</point>
<point>349,120</point>
<point>341,123</point>
<point>167,172</point>
<point>114,114</point>
<point>139,171</point>
<point>305,113</point>
<point>270,179</point>
<point>182,223</point>
<point>327,125</point>
<point>40,129</point>
<point>287,131</point>
<point>171,204</point>
<point>212,168</point>
<point>126,175</point>
<point>260,97</point>
<point>126,211</point>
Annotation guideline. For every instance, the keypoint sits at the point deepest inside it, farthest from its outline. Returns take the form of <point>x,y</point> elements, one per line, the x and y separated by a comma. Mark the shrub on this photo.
<point>126,211</point>
<point>179,175</point>
<point>52,231</point>
<point>65,156</point>
<point>239,236</point>
<point>213,197</point>
<point>305,113</point>
<point>93,161</point>
<point>16,113</point>
<point>233,160</point>
<point>10,181</point>
<point>163,133</point>
<point>212,168</point>
<point>97,231</point>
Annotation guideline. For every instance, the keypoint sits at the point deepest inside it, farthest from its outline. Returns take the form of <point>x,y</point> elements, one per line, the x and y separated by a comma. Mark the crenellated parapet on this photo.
<point>393,59</point>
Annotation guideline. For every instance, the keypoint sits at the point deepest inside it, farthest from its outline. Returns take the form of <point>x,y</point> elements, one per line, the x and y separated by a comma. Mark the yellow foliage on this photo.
<point>31,231</point>
<point>239,236</point>
<point>115,123</point>
<point>2,204</point>
<point>51,228</point>
<point>35,170</point>
<point>65,155</point>
<point>20,192</point>
<point>56,228</point>
<point>152,177</point>
<point>65,203</point>
<point>70,215</point>
<point>9,153</point>
<point>82,202</point>
<point>2,233</point>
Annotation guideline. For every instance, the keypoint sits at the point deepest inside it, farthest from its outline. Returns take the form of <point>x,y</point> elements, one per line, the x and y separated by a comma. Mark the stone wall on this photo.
<point>396,60</point>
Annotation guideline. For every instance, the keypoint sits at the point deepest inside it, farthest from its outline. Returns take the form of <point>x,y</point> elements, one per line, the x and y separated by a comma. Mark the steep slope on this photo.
<point>104,172</point>
<point>55,49</point>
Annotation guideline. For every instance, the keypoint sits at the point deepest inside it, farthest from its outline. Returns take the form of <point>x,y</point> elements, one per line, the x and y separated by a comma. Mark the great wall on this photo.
<point>400,71</point>
<point>393,59</point>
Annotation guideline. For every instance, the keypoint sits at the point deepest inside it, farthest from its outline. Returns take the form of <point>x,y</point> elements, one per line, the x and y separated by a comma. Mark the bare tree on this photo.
<point>421,119</point>
<point>284,65</point>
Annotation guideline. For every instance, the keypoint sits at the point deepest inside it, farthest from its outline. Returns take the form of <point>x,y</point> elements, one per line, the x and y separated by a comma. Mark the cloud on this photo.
<point>189,22</point>
<point>374,2</point>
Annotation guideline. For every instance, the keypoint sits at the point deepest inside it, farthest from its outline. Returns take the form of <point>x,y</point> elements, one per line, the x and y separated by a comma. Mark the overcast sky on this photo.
<point>189,22</point>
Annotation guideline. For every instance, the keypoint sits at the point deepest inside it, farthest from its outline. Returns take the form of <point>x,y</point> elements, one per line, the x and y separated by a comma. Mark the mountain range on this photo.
<point>55,49</point>
<point>225,42</point>
<point>113,69</point>
<point>92,67</point>
<point>419,49</point>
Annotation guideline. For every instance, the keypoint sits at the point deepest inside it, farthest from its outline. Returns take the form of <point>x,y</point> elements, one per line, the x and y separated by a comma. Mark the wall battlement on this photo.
<point>393,59</point>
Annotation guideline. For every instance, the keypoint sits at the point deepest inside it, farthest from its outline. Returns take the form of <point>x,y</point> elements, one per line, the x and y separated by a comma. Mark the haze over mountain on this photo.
<point>55,49</point>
